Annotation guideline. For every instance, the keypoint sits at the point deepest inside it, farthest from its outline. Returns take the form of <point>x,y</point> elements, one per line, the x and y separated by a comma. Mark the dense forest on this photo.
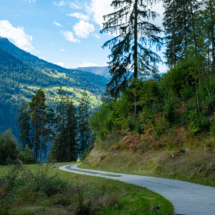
<point>60,133</point>
<point>21,74</point>
<point>160,112</point>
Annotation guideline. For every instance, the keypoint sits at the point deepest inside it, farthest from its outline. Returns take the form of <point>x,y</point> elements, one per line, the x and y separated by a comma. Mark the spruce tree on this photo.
<point>131,46</point>
<point>85,137</point>
<point>170,24</point>
<point>64,147</point>
<point>37,106</point>
<point>71,129</point>
<point>178,25</point>
<point>24,122</point>
<point>208,23</point>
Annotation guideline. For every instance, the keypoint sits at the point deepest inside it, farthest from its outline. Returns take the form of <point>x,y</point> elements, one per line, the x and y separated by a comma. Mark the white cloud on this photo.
<point>83,29</point>
<point>57,24</point>
<point>70,37</point>
<point>63,50</point>
<point>60,64</point>
<point>17,35</point>
<point>79,16</point>
<point>74,6</point>
<point>99,8</point>
<point>61,3</point>
<point>63,65</point>
<point>97,36</point>
<point>158,7</point>
<point>87,64</point>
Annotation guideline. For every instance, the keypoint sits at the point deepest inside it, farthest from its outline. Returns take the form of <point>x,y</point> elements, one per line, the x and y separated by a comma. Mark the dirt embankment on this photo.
<point>196,166</point>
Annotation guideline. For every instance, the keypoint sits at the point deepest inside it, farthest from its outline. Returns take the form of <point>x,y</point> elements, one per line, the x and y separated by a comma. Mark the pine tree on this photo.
<point>134,37</point>
<point>46,131</point>
<point>178,24</point>
<point>208,22</point>
<point>25,125</point>
<point>71,129</point>
<point>85,137</point>
<point>64,147</point>
<point>170,24</point>
<point>37,106</point>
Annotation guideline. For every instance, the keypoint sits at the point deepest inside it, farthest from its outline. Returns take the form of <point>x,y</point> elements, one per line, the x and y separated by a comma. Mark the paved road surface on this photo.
<point>187,198</point>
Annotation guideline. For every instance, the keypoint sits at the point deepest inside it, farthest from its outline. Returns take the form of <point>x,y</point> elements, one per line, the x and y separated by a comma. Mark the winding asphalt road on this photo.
<point>187,198</point>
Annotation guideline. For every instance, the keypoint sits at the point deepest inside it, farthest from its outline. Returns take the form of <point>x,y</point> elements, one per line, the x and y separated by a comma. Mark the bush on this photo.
<point>8,147</point>
<point>198,123</point>
<point>26,155</point>
<point>86,152</point>
<point>29,185</point>
<point>169,110</point>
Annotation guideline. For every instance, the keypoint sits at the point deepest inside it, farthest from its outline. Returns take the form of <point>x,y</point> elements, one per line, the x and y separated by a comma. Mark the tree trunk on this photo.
<point>213,48</point>
<point>208,91</point>
<point>35,125</point>
<point>41,139</point>
<point>135,52</point>
<point>195,46</point>
<point>174,52</point>
<point>68,145</point>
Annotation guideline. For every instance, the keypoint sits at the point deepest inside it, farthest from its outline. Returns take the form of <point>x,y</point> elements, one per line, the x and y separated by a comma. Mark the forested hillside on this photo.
<point>172,112</point>
<point>21,74</point>
<point>73,78</point>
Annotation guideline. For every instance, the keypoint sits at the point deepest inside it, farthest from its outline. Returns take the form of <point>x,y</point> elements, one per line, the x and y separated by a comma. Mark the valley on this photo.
<point>22,74</point>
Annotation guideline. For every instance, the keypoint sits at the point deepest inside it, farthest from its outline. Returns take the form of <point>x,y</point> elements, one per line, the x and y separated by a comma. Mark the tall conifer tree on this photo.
<point>24,122</point>
<point>37,106</point>
<point>134,35</point>
<point>65,147</point>
<point>85,137</point>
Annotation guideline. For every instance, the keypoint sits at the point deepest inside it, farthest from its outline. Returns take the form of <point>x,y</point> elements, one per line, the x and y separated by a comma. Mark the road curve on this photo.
<point>187,198</point>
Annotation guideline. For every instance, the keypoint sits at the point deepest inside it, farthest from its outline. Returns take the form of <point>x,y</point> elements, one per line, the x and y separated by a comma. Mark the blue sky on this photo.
<point>61,32</point>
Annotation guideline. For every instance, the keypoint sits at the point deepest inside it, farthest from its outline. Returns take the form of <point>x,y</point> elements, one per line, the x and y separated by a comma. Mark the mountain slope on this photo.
<point>78,79</point>
<point>21,74</point>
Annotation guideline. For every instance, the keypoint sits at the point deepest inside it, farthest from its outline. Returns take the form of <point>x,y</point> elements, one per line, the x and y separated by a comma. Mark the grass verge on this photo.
<point>48,190</point>
<point>197,166</point>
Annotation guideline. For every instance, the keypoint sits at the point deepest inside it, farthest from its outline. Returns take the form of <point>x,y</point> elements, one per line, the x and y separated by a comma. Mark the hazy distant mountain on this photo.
<point>103,71</point>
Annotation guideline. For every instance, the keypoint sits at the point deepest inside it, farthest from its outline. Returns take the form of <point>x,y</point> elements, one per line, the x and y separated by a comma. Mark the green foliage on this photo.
<point>131,50</point>
<point>169,110</point>
<point>85,137</point>
<point>29,184</point>
<point>8,147</point>
<point>198,123</point>
<point>64,146</point>
<point>86,152</point>
<point>26,155</point>
<point>24,125</point>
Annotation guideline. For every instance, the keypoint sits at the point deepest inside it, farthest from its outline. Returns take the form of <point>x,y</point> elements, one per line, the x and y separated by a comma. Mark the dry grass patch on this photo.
<point>197,165</point>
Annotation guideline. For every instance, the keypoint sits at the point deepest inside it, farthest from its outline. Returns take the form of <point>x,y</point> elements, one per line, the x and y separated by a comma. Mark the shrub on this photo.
<point>26,155</point>
<point>198,123</point>
<point>86,152</point>
<point>8,147</point>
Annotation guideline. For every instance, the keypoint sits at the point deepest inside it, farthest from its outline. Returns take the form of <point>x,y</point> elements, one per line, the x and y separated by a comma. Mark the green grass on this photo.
<point>103,196</point>
<point>51,94</point>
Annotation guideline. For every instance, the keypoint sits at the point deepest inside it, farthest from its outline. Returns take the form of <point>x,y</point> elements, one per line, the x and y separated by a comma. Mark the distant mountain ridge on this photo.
<point>103,70</point>
<point>83,79</point>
